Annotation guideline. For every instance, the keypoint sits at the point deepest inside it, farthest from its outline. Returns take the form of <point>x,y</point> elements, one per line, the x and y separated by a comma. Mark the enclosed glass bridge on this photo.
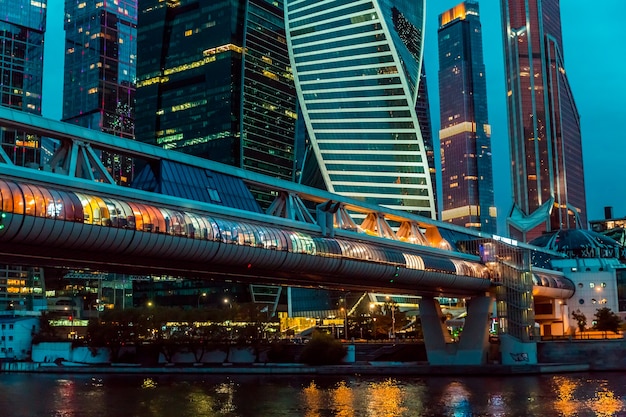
<point>188,216</point>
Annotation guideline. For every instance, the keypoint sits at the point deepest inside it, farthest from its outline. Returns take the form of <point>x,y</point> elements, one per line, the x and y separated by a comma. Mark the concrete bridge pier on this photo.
<point>472,347</point>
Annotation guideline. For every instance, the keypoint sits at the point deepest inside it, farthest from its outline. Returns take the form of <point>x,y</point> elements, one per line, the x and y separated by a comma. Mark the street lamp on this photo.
<point>200,296</point>
<point>345,322</point>
<point>393,321</point>
<point>392,334</point>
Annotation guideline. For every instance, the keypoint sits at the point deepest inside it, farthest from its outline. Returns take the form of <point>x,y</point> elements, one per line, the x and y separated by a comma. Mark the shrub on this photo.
<point>323,349</point>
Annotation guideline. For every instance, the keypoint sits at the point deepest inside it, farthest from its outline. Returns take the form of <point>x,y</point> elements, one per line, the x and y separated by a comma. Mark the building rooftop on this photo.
<point>579,243</point>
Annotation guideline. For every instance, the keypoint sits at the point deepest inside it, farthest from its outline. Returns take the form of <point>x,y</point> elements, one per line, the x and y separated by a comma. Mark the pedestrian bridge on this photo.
<point>69,212</point>
<point>190,217</point>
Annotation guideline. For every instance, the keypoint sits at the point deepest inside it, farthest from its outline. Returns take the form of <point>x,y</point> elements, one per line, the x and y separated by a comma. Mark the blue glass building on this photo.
<point>99,77</point>
<point>22,27</point>
<point>357,69</point>
<point>466,169</point>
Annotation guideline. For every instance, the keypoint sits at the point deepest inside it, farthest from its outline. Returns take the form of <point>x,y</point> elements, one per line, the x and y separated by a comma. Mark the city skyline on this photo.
<point>591,71</point>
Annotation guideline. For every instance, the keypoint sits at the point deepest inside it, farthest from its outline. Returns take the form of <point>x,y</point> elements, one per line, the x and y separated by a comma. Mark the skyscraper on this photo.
<point>100,62</point>
<point>544,125</point>
<point>466,171</point>
<point>422,107</point>
<point>214,80</point>
<point>22,27</point>
<point>357,66</point>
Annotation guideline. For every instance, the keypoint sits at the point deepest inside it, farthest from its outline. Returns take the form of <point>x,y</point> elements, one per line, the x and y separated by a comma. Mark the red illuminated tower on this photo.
<point>544,125</point>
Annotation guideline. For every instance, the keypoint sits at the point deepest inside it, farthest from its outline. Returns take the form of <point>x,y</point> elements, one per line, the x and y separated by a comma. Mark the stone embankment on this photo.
<point>374,368</point>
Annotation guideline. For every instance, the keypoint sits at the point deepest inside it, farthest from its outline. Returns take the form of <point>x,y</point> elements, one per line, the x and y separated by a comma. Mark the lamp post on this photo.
<point>393,321</point>
<point>373,330</point>
<point>392,334</point>
<point>200,296</point>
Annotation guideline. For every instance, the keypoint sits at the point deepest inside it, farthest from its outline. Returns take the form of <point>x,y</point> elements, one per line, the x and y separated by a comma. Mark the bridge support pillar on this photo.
<point>472,347</point>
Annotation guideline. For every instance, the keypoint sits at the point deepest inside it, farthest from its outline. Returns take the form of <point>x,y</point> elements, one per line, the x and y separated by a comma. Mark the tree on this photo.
<point>581,320</point>
<point>606,320</point>
<point>323,349</point>
<point>47,332</point>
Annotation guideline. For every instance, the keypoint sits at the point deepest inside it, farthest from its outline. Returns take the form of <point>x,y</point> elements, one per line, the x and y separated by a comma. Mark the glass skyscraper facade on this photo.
<point>465,135</point>
<point>214,80</point>
<point>99,80</point>
<point>22,27</point>
<point>357,66</point>
<point>544,125</point>
<point>422,107</point>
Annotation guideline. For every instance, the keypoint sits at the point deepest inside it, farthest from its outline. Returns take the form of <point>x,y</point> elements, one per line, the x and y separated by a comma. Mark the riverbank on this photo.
<point>372,368</point>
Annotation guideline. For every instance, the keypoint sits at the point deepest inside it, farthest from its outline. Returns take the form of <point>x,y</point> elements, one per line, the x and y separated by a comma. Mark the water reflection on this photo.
<point>566,403</point>
<point>573,395</point>
<point>312,400</point>
<point>571,402</point>
<point>226,396</point>
<point>385,399</point>
<point>64,396</point>
<point>343,398</point>
<point>456,400</point>
<point>605,403</point>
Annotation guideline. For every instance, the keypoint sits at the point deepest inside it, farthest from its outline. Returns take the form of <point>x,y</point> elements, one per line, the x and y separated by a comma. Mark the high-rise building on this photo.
<point>22,27</point>
<point>100,63</point>
<point>357,66</point>
<point>422,107</point>
<point>544,125</point>
<point>214,80</point>
<point>465,135</point>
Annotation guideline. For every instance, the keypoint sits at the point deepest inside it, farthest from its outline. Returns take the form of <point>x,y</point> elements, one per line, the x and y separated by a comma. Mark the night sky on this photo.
<point>595,63</point>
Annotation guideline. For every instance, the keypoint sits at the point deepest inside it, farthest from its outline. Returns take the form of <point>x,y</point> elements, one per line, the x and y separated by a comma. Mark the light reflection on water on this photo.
<point>572,395</point>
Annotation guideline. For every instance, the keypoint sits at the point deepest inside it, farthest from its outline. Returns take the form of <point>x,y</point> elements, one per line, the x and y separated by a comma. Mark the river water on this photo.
<point>53,395</point>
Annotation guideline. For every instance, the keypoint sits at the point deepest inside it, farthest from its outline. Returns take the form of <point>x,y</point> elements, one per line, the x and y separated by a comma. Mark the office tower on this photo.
<point>357,67</point>
<point>214,80</point>
<point>99,80</point>
<point>22,27</point>
<point>544,125</point>
<point>422,107</point>
<point>466,172</point>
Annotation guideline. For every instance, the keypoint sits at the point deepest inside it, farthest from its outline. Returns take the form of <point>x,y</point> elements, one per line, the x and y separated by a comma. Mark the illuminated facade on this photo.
<point>544,125</point>
<point>357,66</point>
<point>21,288</point>
<point>99,83</point>
<point>214,81</point>
<point>22,26</point>
<point>422,107</point>
<point>465,135</point>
